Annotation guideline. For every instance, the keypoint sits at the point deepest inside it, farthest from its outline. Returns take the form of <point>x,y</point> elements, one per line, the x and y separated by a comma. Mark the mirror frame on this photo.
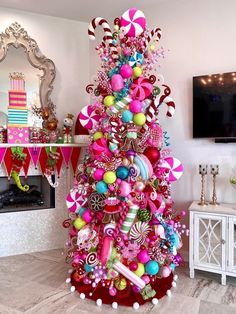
<point>15,35</point>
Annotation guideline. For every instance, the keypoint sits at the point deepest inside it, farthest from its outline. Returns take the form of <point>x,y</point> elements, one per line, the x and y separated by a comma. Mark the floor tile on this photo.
<point>212,308</point>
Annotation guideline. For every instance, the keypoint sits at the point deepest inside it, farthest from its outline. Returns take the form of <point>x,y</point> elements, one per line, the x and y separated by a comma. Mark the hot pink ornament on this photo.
<point>133,22</point>
<point>133,266</point>
<point>117,82</point>
<point>143,256</point>
<point>126,71</point>
<point>135,106</point>
<point>98,174</point>
<point>174,166</point>
<point>87,216</point>
<point>112,291</point>
<point>100,149</point>
<point>88,118</point>
<point>146,278</point>
<point>124,188</point>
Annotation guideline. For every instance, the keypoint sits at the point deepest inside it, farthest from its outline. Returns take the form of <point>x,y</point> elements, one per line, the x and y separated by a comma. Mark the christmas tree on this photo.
<point>124,234</point>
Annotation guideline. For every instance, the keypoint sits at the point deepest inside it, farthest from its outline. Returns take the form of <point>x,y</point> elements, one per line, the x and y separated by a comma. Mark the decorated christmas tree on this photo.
<point>124,235</point>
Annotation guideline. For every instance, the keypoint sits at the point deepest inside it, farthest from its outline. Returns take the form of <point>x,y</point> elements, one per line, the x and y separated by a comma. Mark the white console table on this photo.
<point>212,241</point>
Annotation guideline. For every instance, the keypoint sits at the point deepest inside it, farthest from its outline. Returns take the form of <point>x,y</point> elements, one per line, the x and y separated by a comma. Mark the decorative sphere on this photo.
<point>166,271</point>
<point>133,266</point>
<point>109,100</point>
<point>87,217</point>
<point>109,177</point>
<point>140,270</point>
<point>146,279</point>
<point>135,106</point>
<point>137,72</point>
<point>99,302</point>
<point>98,174</point>
<point>143,256</point>
<point>81,211</point>
<point>136,289</point>
<point>87,268</point>
<point>160,230</point>
<point>136,306</point>
<point>139,119</point>
<point>122,172</point>
<point>101,187</point>
<point>79,223</point>
<point>139,186</point>
<point>121,283</point>
<point>126,116</point>
<point>114,305</point>
<point>152,153</point>
<point>112,291</point>
<point>154,301</point>
<point>124,188</point>
<point>152,268</point>
<point>97,135</point>
<point>126,71</point>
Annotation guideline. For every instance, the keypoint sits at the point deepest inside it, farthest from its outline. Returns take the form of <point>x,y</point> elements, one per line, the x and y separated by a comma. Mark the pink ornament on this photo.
<point>136,289</point>
<point>133,22</point>
<point>117,82</point>
<point>143,256</point>
<point>112,291</point>
<point>88,118</point>
<point>135,106</point>
<point>87,217</point>
<point>98,174</point>
<point>126,71</point>
<point>141,88</point>
<point>174,166</point>
<point>100,149</point>
<point>133,266</point>
<point>146,279</point>
<point>124,188</point>
<point>74,200</point>
<point>166,271</point>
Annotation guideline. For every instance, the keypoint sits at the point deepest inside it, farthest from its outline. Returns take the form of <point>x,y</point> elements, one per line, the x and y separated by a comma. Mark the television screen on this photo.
<point>214,106</point>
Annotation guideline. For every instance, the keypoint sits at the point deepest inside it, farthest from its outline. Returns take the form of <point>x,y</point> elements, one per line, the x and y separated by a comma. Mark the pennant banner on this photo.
<point>75,158</point>
<point>2,154</point>
<point>34,154</point>
<point>27,161</point>
<point>8,161</point>
<point>66,152</point>
<point>59,162</point>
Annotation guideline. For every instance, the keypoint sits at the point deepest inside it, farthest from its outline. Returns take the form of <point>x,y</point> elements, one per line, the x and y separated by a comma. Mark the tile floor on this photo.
<point>35,283</point>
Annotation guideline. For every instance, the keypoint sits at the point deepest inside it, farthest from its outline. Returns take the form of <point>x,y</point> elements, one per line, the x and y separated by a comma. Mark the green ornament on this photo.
<point>156,91</point>
<point>144,215</point>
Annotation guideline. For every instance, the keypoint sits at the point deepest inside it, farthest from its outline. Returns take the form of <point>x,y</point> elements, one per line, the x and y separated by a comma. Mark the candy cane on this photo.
<point>150,113</point>
<point>116,137</point>
<point>155,32</point>
<point>171,106</point>
<point>108,34</point>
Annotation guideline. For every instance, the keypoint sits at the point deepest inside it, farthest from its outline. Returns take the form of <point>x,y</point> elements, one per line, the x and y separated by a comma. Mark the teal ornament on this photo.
<point>88,268</point>
<point>152,268</point>
<point>122,172</point>
<point>175,240</point>
<point>127,116</point>
<point>172,266</point>
<point>136,59</point>
<point>101,187</point>
<point>81,211</point>
<point>113,147</point>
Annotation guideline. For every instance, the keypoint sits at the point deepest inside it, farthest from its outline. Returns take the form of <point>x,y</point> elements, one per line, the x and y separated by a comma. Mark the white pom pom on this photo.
<point>72,288</point>
<point>176,277</point>
<point>155,301</point>
<point>99,302</point>
<point>82,296</point>
<point>174,284</point>
<point>168,293</point>
<point>68,280</point>
<point>114,305</point>
<point>136,306</point>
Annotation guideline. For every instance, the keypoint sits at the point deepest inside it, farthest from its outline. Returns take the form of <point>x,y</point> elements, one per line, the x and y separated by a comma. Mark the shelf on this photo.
<point>7,145</point>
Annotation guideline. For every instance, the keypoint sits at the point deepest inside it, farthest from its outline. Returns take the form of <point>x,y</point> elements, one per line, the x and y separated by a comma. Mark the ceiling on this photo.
<point>81,10</point>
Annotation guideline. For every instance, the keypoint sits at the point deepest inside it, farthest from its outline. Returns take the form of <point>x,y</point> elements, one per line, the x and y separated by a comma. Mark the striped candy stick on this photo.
<point>108,34</point>
<point>119,105</point>
<point>156,32</point>
<point>129,219</point>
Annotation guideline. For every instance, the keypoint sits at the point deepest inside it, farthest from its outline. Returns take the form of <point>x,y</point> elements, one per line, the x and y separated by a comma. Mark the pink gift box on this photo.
<point>17,135</point>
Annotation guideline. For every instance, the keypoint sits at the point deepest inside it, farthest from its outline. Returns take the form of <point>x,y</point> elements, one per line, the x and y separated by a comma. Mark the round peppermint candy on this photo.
<point>133,22</point>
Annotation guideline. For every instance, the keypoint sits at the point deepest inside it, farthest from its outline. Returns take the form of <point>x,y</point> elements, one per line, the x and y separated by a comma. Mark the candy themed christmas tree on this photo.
<point>124,234</point>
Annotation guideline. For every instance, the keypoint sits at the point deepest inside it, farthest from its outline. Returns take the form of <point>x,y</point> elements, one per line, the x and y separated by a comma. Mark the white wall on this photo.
<point>66,43</point>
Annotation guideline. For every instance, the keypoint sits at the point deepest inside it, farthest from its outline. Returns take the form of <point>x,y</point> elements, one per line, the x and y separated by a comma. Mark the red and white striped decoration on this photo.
<point>156,32</point>
<point>170,105</point>
<point>115,132</point>
<point>108,34</point>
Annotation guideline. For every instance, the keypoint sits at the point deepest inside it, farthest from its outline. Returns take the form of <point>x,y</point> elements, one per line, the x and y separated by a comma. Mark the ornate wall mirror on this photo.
<point>20,53</point>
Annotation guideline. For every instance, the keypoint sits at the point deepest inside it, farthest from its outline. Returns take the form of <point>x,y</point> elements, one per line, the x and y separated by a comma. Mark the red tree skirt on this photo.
<point>126,297</point>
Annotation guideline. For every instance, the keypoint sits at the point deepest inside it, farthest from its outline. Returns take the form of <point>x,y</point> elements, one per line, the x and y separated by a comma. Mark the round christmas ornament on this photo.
<point>124,234</point>
<point>133,22</point>
<point>88,118</point>
<point>174,167</point>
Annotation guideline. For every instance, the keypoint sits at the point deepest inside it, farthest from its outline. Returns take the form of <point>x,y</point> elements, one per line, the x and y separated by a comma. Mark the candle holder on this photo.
<point>214,172</point>
<point>203,173</point>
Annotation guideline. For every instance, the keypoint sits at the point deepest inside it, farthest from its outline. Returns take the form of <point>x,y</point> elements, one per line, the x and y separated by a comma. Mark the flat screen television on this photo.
<point>214,106</point>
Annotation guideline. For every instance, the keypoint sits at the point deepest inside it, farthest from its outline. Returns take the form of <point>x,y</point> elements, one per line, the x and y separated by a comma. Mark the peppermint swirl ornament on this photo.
<point>139,232</point>
<point>92,259</point>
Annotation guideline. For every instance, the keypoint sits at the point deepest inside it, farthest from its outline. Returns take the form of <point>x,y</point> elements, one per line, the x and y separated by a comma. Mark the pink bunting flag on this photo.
<point>2,154</point>
<point>66,153</point>
<point>34,154</point>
